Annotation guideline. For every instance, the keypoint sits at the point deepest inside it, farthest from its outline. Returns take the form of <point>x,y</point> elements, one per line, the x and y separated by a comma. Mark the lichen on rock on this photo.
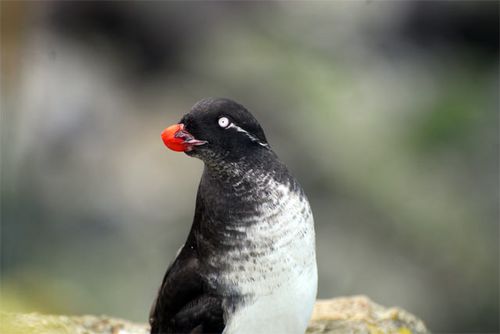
<point>356,314</point>
<point>359,314</point>
<point>34,323</point>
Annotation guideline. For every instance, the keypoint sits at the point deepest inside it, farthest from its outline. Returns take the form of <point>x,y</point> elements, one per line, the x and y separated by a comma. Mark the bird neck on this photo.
<point>233,191</point>
<point>248,168</point>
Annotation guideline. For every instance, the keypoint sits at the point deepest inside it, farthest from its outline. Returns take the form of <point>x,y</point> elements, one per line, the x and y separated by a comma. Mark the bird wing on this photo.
<point>183,304</point>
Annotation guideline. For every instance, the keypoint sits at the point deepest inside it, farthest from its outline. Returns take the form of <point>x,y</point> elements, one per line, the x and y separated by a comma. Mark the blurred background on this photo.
<point>387,113</point>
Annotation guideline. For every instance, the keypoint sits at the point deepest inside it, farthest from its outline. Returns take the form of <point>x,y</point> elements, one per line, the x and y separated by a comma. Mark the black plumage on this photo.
<point>201,288</point>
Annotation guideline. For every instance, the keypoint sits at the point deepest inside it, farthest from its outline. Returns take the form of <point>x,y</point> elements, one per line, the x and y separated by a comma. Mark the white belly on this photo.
<point>286,311</point>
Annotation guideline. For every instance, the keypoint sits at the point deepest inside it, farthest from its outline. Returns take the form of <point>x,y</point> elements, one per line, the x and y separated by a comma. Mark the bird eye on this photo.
<point>223,122</point>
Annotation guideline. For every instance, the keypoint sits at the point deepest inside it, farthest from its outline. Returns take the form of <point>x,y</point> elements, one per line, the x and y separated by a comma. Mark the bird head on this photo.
<point>216,128</point>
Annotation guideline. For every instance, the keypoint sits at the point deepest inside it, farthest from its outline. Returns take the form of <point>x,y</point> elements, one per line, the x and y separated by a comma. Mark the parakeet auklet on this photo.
<point>249,263</point>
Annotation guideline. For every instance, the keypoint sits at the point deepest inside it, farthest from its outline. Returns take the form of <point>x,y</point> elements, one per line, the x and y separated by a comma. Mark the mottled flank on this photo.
<point>333,316</point>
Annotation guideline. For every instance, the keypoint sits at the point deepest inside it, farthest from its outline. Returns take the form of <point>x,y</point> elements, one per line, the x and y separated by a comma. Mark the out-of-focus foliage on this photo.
<point>387,112</point>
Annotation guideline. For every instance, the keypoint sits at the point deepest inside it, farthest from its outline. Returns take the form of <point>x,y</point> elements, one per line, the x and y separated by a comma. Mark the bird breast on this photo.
<point>271,247</point>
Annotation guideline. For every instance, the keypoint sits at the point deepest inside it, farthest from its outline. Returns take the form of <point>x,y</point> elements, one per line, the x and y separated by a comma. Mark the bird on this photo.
<point>249,262</point>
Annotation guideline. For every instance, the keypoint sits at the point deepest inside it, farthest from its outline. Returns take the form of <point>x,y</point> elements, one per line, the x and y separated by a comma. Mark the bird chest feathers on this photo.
<point>268,263</point>
<point>264,235</point>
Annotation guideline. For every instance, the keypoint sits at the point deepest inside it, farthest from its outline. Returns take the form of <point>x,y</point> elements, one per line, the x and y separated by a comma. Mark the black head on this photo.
<point>229,130</point>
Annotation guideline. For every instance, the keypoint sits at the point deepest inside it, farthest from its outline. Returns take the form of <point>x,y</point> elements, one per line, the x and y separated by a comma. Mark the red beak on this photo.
<point>178,139</point>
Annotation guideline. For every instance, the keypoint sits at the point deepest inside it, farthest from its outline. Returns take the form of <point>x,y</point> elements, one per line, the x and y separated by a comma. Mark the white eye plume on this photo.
<point>250,136</point>
<point>223,122</point>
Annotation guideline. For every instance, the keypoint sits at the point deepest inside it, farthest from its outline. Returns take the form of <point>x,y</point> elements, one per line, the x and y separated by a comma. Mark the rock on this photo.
<point>356,314</point>
<point>359,314</point>
<point>34,323</point>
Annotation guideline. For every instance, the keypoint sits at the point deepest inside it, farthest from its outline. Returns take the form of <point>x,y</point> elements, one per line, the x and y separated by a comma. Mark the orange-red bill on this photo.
<point>170,140</point>
<point>178,139</point>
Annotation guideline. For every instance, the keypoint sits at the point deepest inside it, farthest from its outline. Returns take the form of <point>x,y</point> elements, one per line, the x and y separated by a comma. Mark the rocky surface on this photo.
<point>356,314</point>
<point>359,314</point>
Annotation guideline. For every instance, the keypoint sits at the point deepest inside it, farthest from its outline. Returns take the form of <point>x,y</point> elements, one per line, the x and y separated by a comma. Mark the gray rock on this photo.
<point>356,314</point>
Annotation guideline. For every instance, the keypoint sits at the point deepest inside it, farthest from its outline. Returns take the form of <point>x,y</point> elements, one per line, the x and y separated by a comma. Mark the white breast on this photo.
<point>278,269</point>
<point>285,311</point>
